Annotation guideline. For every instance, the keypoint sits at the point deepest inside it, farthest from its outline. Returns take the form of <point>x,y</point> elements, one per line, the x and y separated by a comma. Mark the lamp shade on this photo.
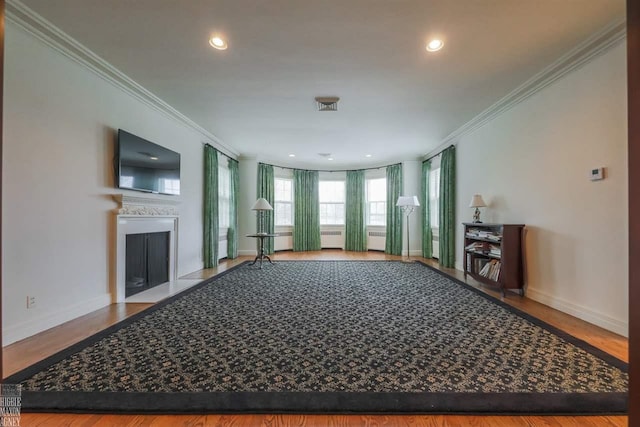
<point>477,202</point>
<point>261,205</point>
<point>408,201</point>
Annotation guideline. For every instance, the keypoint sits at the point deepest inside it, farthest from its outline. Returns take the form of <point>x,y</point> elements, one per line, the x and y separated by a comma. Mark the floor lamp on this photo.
<point>408,204</point>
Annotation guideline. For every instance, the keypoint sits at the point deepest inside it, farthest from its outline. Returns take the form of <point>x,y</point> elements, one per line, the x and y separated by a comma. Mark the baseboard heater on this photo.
<point>322,233</point>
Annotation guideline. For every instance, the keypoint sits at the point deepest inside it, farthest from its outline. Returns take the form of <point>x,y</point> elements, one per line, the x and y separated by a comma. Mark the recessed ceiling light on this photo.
<point>329,158</point>
<point>218,43</point>
<point>367,155</point>
<point>292,155</point>
<point>435,45</point>
<point>153,158</point>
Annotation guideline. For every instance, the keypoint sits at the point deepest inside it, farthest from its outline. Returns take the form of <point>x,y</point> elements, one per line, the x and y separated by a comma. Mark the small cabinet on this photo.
<point>493,255</point>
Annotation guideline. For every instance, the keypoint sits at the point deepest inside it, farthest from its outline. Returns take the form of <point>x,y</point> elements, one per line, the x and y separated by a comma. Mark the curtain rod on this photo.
<point>220,151</point>
<point>327,170</point>
<point>438,153</point>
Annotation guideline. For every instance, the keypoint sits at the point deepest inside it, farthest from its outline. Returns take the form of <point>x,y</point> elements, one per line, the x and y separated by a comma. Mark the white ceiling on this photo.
<point>397,101</point>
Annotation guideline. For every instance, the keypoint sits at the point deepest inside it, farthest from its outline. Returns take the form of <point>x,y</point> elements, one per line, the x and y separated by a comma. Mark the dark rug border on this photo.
<point>320,402</point>
<point>329,403</point>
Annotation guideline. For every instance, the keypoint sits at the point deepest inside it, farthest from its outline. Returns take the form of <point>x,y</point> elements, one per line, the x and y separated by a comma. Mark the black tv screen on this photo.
<point>144,166</point>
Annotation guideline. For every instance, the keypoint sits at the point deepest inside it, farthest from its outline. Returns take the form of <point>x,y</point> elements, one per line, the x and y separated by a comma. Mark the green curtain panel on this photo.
<point>232,233</point>
<point>393,243</point>
<point>306,211</point>
<point>427,237</point>
<point>266,190</point>
<point>355,227</point>
<point>211,228</point>
<point>448,207</point>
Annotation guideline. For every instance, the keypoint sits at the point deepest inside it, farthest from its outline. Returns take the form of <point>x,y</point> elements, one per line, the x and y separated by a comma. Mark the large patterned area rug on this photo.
<point>329,336</point>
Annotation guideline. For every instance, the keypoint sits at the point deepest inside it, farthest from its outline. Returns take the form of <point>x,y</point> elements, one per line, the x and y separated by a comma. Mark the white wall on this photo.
<point>531,165</point>
<point>60,122</point>
<point>248,176</point>
<point>411,183</point>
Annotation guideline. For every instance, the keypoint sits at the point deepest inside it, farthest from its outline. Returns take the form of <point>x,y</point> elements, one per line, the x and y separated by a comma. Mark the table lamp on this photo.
<point>477,202</point>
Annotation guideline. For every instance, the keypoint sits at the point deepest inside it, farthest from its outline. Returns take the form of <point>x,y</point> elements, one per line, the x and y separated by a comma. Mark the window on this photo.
<point>434,197</point>
<point>283,201</point>
<point>170,186</point>
<point>331,202</point>
<point>377,201</point>
<point>224,196</point>
<point>126,181</point>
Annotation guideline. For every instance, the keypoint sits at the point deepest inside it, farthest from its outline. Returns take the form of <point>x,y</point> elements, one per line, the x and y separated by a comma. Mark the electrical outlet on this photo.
<point>31,301</point>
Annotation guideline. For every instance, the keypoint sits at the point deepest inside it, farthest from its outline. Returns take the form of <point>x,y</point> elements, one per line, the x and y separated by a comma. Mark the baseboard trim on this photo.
<point>22,330</point>
<point>581,312</point>
<point>575,310</point>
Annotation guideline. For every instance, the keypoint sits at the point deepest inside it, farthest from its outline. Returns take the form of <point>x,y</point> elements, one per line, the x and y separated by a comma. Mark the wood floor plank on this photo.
<point>26,352</point>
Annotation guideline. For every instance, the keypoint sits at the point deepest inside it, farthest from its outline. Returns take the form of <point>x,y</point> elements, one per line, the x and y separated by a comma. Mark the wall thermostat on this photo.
<point>597,174</point>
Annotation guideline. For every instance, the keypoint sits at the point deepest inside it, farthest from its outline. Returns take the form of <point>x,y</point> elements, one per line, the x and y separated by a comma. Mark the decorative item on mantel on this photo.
<point>477,202</point>
<point>408,204</point>
<point>145,206</point>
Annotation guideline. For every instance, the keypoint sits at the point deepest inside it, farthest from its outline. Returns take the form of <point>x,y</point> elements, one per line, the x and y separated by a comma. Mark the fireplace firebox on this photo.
<point>147,261</point>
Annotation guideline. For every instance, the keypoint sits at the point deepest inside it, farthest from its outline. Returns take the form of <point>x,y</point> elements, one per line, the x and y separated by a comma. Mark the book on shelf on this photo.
<point>480,263</point>
<point>478,247</point>
<point>491,270</point>
<point>484,234</point>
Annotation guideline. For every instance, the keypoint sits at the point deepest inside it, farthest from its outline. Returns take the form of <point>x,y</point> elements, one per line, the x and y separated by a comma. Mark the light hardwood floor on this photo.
<point>26,352</point>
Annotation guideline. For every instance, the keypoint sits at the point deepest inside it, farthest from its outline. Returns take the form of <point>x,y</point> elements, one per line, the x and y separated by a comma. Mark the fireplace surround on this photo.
<point>138,215</point>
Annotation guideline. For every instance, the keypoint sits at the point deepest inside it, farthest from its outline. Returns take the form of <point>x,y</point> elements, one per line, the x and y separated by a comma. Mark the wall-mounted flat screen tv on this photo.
<point>144,166</point>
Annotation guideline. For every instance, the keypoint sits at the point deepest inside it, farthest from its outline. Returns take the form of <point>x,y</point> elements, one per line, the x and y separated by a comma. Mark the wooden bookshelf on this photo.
<point>493,255</point>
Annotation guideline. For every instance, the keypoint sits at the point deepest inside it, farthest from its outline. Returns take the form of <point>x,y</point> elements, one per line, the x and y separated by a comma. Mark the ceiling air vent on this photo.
<point>327,103</point>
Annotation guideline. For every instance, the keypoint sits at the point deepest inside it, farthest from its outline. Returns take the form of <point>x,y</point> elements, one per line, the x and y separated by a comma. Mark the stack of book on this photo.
<point>474,232</point>
<point>482,247</point>
<point>493,235</point>
<point>495,250</point>
<point>491,270</point>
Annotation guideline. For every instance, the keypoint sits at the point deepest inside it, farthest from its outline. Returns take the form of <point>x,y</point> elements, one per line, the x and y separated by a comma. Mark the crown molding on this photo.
<point>19,14</point>
<point>583,53</point>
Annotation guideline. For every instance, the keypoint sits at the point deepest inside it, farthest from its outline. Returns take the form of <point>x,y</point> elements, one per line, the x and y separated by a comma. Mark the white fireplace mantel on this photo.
<point>145,205</point>
<point>140,214</point>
